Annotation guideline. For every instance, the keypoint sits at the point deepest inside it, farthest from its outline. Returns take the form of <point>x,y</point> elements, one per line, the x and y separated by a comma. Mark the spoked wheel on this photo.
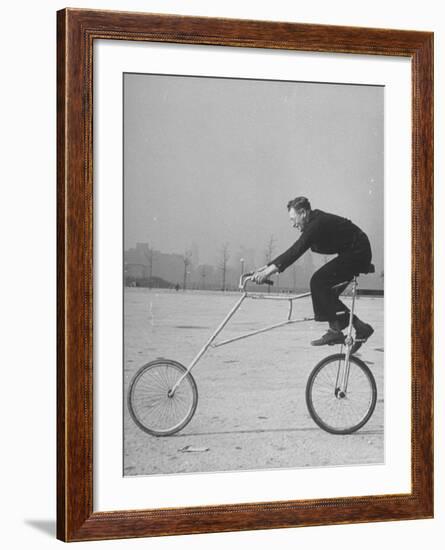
<point>334,410</point>
<point>153,407</point>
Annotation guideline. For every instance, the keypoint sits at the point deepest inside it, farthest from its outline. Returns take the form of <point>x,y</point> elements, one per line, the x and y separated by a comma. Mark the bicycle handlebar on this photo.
<point>248,277</point>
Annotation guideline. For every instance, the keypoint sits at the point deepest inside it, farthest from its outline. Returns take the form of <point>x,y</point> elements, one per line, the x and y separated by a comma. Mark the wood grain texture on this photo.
<point>76,32</point>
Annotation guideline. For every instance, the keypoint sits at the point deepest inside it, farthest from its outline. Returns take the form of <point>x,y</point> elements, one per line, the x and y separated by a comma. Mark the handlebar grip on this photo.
<point>249,274</point>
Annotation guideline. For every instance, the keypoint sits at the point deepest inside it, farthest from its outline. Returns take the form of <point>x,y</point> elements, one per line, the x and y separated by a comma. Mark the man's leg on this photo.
<point>342,317</point>
<point>325,299</point>
<point>328,306</point>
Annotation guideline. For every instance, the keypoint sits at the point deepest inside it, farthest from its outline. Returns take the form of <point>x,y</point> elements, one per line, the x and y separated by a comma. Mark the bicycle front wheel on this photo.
<point>152,405</point>
<point>334,410</point>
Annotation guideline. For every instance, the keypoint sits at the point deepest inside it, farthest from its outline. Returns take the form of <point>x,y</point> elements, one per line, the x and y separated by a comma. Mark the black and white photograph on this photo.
<point>223,277</point>
<point>253,283</point>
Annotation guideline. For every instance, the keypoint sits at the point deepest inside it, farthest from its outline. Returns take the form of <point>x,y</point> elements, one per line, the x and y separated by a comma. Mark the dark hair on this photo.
<point>299,203</point>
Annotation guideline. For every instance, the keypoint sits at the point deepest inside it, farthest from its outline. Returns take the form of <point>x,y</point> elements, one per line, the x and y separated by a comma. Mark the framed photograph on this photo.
<point>245,229</point>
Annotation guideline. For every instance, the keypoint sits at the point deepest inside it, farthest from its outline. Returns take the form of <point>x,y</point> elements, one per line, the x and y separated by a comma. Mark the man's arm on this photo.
<point>283,261</point>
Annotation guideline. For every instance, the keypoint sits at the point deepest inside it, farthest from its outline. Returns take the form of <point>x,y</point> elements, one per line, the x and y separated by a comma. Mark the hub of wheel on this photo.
<point>339,394</point>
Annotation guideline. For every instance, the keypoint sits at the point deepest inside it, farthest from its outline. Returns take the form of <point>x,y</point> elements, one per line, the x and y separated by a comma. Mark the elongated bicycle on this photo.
<point>341,392</point>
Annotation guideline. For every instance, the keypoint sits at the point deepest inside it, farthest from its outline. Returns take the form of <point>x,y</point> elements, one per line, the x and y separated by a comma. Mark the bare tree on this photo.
<point>270,249</point>
<point>223,263</point>
<point>269,253</point>
<point>294,277</point>
<point>187,261</point>
<point>203,273</point>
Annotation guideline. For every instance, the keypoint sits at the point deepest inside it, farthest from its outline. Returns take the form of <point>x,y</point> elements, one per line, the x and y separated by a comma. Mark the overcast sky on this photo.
<point>212,161</point>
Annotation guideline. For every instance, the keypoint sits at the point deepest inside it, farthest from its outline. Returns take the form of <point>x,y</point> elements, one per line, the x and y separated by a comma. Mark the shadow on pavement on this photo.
<point>275,430</point>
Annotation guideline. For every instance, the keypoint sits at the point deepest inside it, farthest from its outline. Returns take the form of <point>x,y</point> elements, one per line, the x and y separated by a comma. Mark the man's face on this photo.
<point>298,218</point>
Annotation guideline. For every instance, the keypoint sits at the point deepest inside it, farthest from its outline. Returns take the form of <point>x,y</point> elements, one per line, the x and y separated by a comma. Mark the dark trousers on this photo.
<point>325,300</point>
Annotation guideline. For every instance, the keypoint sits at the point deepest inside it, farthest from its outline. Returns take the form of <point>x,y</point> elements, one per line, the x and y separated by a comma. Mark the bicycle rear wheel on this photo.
<point>153,408</point>
<point>334,411</point>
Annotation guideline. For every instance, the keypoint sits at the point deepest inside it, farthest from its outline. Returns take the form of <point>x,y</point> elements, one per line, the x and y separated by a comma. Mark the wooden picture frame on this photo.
<point>77,31</point>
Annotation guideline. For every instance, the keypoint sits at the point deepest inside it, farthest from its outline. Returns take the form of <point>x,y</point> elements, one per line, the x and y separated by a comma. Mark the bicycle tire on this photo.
<point>331,400</point>
<point>151,408</point>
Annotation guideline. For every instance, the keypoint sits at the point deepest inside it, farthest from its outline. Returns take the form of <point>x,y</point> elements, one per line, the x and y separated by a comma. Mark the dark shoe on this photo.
<point>331,338</point>
<point>362,333</point>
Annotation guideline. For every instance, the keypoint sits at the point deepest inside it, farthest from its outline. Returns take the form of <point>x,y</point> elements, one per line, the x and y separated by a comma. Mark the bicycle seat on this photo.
<point>339,287</point>
<point>366,270</point>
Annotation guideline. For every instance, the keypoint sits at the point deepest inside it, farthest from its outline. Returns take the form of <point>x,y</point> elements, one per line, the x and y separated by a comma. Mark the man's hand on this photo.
<point>264,273</point>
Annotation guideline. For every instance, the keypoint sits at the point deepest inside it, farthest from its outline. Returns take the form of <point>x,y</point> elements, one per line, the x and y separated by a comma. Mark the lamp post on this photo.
<point>186,260</point>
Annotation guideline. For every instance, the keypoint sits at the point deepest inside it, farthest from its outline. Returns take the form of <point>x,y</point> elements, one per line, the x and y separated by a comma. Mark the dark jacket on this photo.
<point>326,234</point>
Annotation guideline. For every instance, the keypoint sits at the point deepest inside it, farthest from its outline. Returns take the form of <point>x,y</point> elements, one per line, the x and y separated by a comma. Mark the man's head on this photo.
<point>299,210</point>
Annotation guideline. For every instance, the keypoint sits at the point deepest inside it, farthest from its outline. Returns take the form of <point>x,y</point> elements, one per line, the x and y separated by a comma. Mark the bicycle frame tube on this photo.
<point>231,314</point>
<point>289,321</point>
<point>210,340</point>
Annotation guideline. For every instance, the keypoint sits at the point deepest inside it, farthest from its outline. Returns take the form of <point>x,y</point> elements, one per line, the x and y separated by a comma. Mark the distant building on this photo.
<point>135,271</point>
<point>149,263</point>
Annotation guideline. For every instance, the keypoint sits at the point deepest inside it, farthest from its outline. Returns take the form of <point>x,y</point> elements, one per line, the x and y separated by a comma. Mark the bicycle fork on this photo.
<point>341,384</point>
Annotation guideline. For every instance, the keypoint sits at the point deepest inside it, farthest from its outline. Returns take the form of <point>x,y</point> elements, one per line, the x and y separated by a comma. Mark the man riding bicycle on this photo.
<point>326,234</point>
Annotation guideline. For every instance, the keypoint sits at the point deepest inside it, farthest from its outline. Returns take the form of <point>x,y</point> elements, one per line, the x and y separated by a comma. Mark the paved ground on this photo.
<point>251,410</point>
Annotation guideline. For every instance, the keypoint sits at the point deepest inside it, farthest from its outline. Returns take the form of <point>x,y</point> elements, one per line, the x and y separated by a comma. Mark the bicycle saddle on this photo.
<point>366,270</point>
